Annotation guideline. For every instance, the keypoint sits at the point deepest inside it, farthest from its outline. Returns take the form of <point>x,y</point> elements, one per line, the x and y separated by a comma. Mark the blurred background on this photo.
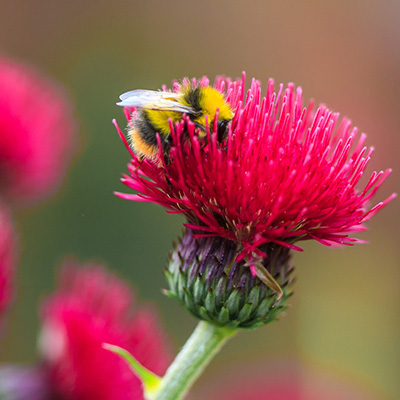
<point>344,323</point>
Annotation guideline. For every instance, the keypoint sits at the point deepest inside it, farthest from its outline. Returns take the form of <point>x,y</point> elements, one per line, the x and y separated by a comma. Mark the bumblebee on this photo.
<point>155,109</point>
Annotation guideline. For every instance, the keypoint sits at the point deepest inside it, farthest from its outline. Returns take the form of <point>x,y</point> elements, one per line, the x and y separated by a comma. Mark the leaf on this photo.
<point>151,382</point>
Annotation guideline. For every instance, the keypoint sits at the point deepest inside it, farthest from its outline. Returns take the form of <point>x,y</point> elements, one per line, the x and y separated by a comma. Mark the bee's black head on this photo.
<point>222,129</point>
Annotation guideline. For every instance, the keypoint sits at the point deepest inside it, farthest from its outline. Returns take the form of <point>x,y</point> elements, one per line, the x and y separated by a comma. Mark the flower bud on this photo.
<point>205,277</point>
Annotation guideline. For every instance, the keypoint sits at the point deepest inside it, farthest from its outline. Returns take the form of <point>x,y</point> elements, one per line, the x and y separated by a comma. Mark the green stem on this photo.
<point>202,346</point>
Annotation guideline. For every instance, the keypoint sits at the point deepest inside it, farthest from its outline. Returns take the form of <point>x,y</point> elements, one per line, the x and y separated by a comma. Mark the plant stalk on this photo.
<point>201,347</point>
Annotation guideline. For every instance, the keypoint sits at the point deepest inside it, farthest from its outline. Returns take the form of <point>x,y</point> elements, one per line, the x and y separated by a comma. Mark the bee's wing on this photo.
<point>153,100</point>
<point>149,94</point>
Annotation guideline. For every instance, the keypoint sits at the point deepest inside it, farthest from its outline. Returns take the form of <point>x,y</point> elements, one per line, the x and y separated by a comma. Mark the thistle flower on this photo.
<point>7,259</point>
<point>91,306</point>
<point>36,133</point>
<point>284,173</point>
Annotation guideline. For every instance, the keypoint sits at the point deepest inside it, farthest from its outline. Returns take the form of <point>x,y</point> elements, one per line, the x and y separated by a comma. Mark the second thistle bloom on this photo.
<point>92,307</point>
<point>37,132</point>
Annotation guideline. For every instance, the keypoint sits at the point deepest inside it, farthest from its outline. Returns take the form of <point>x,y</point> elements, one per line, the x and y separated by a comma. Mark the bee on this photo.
<point>154,110</point>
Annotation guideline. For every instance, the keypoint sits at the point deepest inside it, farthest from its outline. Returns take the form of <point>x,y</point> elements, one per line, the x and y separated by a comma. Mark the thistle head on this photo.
<point>285,172</point>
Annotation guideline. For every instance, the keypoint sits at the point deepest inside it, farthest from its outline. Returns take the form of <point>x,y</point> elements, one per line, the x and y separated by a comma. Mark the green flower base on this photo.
<point>226,293</point>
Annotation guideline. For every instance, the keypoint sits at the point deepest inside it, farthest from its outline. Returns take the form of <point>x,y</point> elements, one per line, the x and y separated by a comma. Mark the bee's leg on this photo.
<point>165,164</point>
<point>204,142</point>
<point>140,160</point>
<point>169,184</point>
<point>167,158</point>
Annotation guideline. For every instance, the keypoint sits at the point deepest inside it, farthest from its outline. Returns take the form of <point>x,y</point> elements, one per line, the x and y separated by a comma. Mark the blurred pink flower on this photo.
<point>36,133</point>
<point>90,307</point>
<point>284,173</point>
<point>7,259</point>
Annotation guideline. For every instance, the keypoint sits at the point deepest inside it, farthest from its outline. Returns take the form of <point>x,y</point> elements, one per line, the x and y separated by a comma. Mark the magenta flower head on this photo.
<point>7,259</point>
<point>281,172</point>
<point>36,133</point>
<point>90,307</point>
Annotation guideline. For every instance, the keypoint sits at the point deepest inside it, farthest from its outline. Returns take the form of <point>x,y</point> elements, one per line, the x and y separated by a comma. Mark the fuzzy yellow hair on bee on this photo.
<point>155,109</point>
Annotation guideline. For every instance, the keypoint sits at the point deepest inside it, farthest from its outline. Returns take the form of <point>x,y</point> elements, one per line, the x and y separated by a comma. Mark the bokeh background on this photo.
<point>342,331</point>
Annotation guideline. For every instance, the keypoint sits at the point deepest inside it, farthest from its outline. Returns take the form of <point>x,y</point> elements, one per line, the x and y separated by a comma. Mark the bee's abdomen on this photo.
<point>143,136</point>
<point>148,132</point>
<point>140,147</point>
